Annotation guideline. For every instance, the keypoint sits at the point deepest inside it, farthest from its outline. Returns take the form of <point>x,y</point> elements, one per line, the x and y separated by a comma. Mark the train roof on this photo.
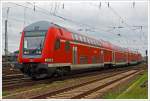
<point>39,25</point>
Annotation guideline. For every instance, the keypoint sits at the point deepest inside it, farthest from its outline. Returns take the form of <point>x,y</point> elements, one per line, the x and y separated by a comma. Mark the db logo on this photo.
<point>31,60</point>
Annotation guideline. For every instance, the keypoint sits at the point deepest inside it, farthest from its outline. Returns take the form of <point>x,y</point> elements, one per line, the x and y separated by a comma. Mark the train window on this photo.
<point>94,59</point>
<point>73,35</point>
<point>97,43</point>
<point>57,44</point>
<point>84,39</point>
<point>81,39</point>
<point>89,41</point>
<point>94,42</point>
<point>76,37</point>
<point>83,59</point>
<point>67,45</point>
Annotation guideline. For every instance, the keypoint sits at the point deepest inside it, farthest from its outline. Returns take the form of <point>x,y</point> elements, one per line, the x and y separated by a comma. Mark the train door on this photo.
<point>101,56</point>
<point>75,55</point>
<point>113,57</point>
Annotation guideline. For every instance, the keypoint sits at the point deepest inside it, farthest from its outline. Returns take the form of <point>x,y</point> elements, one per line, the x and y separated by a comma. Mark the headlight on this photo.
<point>38,52</point>
<point>48,60</point>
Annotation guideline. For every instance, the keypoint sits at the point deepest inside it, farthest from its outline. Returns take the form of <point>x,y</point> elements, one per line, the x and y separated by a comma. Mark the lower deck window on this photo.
<point>83,59</point>
<point>94,60</point>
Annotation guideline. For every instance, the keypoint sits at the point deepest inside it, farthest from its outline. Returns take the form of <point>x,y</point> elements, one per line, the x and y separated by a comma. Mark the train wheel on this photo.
<point>41,73</point>
<point>58,73</point>
<point>66,70</point>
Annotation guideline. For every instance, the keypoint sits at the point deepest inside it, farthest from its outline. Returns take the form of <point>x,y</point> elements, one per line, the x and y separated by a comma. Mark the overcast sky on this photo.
<point>102,21</point>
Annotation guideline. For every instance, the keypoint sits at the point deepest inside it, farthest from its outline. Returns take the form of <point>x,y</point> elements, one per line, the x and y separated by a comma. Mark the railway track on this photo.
<point>12,76</point>
<point>15,81</point>
<point>84,87</point>
<point>10,71</point>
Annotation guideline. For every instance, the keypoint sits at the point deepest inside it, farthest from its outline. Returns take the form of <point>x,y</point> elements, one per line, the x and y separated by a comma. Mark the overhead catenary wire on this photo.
<point>117,27</point>
<point>123,21</point>
<point>44,11</point>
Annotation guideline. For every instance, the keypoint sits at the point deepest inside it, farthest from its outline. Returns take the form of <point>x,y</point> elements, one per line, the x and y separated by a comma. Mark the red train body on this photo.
<point>47,49</point>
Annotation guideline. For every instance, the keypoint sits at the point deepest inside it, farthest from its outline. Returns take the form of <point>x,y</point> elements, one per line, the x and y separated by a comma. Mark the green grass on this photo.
<point>4,93</point>
<point>135,91</point>
<point>132,90</point>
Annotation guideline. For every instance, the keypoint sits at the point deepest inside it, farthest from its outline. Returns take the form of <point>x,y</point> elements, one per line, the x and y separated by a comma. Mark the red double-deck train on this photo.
<point>47,49</point>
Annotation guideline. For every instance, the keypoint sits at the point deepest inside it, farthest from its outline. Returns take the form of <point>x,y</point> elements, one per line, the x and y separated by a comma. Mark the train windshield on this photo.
<point>33,42</point>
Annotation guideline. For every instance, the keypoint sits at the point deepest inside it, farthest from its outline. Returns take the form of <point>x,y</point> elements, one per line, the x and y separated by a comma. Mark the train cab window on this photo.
<point>57,44</point>
<point>67,45</point>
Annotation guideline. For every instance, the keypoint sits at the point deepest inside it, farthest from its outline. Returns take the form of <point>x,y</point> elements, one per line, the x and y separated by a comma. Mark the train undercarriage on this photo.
<point>40,71</point>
